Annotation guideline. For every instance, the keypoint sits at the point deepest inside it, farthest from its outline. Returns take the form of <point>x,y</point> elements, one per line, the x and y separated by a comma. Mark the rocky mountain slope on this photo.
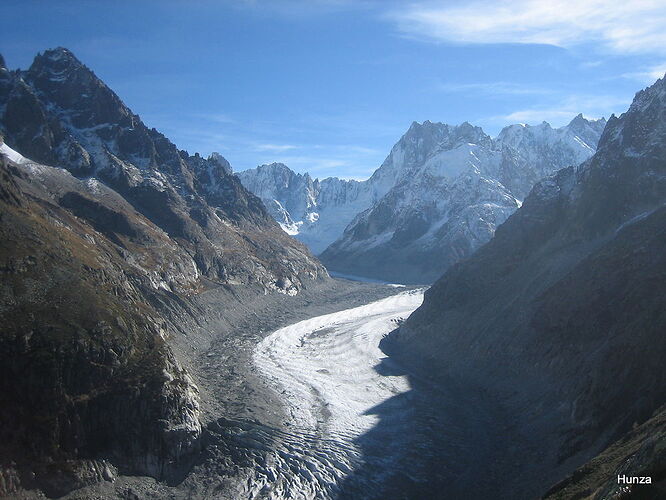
<point>534,152</point>
<point>87,377</point>
<point>315,212</point>
<point>561,315</point>
<point>639,453</point>
<point>284,192</point>
<point>457,185</point>
<point>59,113</point>
<point>103,255</point>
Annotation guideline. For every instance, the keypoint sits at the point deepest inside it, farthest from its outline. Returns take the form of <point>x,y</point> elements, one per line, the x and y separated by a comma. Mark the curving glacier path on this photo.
<point>357,426</point>
<point>325,366</point>
<point>337,385</point>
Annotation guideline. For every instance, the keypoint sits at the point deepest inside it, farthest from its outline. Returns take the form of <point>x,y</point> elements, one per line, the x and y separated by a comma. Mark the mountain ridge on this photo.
<point>457,186</point>
<point>353,225</point>
<point>59,113</point>
<point>318,212</point>
<point>119,253</point>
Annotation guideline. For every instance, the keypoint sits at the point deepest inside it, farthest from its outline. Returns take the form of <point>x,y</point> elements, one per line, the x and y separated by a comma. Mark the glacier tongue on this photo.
<point>324,368</point>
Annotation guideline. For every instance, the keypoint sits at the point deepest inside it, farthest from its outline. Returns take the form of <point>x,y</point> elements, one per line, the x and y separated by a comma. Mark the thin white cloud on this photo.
<point>592,64</point>
<point>348,148</point>
<point>274,148</point>
<point>248,143</point>
<point>493,88</point>
<point>635,26</point>
<point>647,75</point>
<point>314,164</point>
<point>318,165</point>
<point>562,113</point>
<point>553,116</point>
<point>215,117</point>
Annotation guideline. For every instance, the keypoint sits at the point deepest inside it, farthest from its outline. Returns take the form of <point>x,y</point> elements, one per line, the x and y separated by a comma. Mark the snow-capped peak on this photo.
<point>221,161</point>
<point>437,161</point>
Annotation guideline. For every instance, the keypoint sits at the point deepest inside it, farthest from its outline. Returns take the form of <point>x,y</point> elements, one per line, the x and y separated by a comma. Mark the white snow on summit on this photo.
<point>316,212</point>
<point>438,196</point>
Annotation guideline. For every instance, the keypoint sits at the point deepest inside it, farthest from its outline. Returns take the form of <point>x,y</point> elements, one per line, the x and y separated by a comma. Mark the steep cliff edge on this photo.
<point>87,377</point>
<point>561,314</point>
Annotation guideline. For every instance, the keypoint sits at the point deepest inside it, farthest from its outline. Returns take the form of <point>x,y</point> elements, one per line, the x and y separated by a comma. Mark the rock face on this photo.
<point>59,113</point>
<point>315,212</point>
<point>533,153</point>
<point>284,192</point>
<point>86,373</point>
<point>450,189</point>
<point>99,257</point>
<point>561,314</point>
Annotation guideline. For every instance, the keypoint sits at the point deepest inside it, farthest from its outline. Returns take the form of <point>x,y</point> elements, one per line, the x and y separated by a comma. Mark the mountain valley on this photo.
<point>170,328</point>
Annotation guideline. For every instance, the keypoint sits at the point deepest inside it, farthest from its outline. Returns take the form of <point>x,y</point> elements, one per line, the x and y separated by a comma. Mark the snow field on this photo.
<point>324,368</point>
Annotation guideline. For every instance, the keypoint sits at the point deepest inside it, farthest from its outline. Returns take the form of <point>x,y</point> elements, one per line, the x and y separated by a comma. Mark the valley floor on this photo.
<point>315,410</point>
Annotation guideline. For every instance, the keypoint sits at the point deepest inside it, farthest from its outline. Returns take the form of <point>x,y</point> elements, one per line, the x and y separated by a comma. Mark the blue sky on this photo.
<point>329,86</point>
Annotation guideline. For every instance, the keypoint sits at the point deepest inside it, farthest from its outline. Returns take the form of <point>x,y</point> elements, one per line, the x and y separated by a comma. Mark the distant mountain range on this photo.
<point>438,196</point>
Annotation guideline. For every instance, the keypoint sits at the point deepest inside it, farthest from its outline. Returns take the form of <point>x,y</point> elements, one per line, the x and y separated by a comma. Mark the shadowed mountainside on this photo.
<point>561,315</point>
